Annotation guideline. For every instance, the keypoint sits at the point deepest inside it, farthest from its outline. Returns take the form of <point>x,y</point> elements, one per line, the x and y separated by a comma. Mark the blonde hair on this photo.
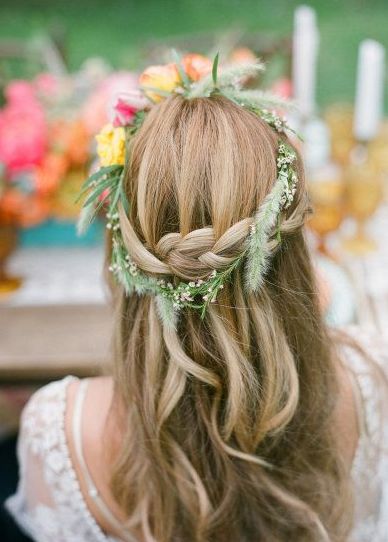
<point>227,420</point>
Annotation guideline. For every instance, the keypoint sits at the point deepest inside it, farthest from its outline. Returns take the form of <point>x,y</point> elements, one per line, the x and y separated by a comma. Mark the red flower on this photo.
<point>127,106</point>
<point>125,113</point>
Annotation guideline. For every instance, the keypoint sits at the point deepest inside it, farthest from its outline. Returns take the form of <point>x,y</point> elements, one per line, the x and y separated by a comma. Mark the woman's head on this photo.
<point>200,169</point>
<point>220,412</point>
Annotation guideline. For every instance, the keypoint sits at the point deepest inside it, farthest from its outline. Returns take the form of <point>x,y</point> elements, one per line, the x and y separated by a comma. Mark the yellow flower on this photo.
<point>164,78</point>
<point>111,145</point>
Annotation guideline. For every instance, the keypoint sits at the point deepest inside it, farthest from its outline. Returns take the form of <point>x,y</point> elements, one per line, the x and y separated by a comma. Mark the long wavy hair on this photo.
<point>227,421</point>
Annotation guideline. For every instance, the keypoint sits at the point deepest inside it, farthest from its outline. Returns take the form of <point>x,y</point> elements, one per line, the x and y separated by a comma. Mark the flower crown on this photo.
<point>192,77</point>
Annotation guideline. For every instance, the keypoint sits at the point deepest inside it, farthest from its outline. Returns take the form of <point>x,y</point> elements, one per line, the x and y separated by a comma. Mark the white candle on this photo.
<point>304,59</point>
<point>369,90</point>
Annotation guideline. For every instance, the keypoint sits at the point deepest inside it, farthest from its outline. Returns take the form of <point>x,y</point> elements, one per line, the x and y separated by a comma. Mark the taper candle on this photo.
<point>369,90</point>
<point>304,59</point>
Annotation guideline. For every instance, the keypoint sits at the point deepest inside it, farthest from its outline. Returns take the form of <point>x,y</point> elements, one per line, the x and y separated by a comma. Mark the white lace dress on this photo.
<point>49,505</point>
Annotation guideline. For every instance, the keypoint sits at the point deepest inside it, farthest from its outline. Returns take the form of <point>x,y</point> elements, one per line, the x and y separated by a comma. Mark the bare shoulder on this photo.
<point>99,437</point>
<point>99,393</point>
<point>96,413</point>
<point>99,387</point>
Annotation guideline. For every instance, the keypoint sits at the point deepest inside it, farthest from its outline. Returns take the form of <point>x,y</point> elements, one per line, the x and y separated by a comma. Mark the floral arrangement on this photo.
<point>47,127</point>
<point>46,141</point>
<point>36,152</point>
<point>191,76</point>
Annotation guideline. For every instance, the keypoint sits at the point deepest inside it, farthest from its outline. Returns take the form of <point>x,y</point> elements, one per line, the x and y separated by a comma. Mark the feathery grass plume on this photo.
<point>181,70</point>
<point>256,99</point>
<point>258,254</point>
<point>228,77</point>
<point>166,311</point>
<point>119,266</point>
<point>85,218</point>
<point>127,272</point>
<point>145,284</point>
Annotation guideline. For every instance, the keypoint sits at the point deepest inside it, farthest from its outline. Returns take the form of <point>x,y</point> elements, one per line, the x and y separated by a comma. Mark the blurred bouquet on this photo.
<point>40,153</point>
<point>46,144</point>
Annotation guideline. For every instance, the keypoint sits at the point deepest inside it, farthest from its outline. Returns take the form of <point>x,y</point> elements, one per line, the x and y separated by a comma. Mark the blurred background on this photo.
<point>63,64</point>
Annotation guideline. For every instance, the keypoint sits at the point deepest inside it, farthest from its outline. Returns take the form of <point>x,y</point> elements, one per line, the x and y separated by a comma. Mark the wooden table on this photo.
<point>59,322</point>
<point>46,342</point>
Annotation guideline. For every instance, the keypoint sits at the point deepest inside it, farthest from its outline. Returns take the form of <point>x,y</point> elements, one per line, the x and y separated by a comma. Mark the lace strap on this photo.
<point>91,488</point>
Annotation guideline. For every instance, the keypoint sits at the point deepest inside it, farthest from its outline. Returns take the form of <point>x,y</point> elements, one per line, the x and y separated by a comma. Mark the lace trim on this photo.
<point>89,518</point>
<point>370,465</point>
<point>43,424</point>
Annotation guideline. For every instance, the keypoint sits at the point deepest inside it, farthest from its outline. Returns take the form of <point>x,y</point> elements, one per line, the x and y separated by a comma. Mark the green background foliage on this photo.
<point>119,29</point>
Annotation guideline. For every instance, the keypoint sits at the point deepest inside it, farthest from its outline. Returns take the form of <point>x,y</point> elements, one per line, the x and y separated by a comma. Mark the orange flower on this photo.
<point>241,55</point>
<point>11,205</point>
<point>50,173</point>
<point>78,143</point>
<point>63,204</point>
<point>35,211</point>
<point>196,66</point>
<point>71,138</point>
<point>163,78</point>
<point>25,210</point>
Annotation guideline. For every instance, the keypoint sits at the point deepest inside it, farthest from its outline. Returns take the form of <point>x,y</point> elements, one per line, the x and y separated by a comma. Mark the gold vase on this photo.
<point>8,244</point>
<point>364,193</point>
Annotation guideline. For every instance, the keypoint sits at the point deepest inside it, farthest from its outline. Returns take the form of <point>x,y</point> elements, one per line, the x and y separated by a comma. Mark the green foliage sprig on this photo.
<point>267,217</point>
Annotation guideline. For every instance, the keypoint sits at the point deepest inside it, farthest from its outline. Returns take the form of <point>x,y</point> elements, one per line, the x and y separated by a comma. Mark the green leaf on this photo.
<point>203,310</point>
<point>116,196</point>
<point>183,75</point>
<point>106,170</point>
<point>96,177</point>
<point>97,191</point>
<point>100,205</point>
<point>88,214</point>
<point>124,199</point>
<point>100,189</point>
<point>139,119</point>
<point>215,69</point>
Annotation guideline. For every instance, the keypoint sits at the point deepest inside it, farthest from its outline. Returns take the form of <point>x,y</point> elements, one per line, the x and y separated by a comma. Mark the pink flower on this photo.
<point>47,85</point>
<point>98,108</point>
<point>127,106</point>
<point>20,93</point>
<point>282,87</point>
<point>125,113</point>
<point>23,129</point>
